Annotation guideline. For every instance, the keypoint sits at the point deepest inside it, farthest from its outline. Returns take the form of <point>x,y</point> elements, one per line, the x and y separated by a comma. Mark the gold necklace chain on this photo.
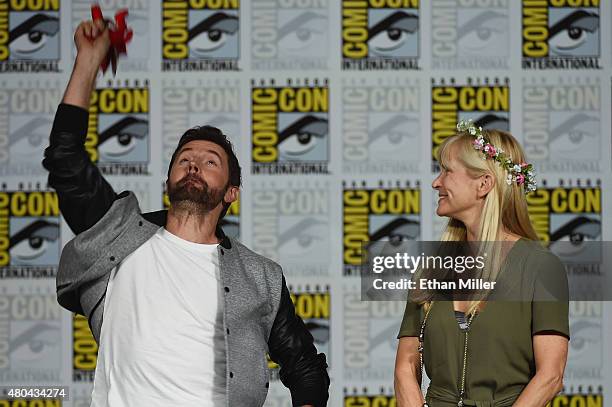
<point>465,349</point>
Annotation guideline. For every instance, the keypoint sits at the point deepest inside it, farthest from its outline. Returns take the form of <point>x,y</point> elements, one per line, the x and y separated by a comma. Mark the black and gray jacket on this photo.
<point>259,316</point>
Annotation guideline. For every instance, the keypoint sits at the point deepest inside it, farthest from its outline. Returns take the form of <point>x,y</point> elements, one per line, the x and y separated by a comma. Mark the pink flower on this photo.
<point>520,179</point>
<point>490,150</point>
<point>523,165</point>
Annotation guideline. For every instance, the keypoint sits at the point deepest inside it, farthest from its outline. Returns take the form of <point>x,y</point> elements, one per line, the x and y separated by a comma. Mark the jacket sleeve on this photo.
<point>83,193</point>
<point>291,345</point>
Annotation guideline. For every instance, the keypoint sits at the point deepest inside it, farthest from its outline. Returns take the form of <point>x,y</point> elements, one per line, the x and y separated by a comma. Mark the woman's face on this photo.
<point>457,191</point>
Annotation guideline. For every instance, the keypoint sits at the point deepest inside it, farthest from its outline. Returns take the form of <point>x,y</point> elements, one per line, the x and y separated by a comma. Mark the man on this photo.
<point>183,315</point>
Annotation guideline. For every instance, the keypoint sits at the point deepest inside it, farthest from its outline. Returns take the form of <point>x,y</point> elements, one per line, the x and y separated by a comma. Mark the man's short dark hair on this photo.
<point>214,135</point>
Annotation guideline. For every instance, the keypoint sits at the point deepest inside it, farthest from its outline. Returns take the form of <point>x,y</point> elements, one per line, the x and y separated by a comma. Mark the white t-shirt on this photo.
<point>162,340</point>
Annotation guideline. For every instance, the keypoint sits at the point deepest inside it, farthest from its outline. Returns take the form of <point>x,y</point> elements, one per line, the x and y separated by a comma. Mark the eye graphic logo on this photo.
<point>314,307</point>
<point>289,35</point>
<point>188,103</point>
<point>291,225</point>
<point>562,124</point>
<point>200,35</point>
<point>380,34</point>
<point>388,213</point>
<point>470,35</point>
<point>26,115</point>
<point>569,218</point>
<point>29,36</point>
<point>30,344</point>
<point>290,127</point>
<point>29,234</point>
<point>561,34</point>
<point>84,350</point>
<point>118,130</point>
<point>586,326</point>
<point>369,344</point>
<point>485,102</point>
<point>380,126</point>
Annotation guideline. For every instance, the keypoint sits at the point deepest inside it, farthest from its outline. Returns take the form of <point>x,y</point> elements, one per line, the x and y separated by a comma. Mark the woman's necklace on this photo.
<point>465,349</point>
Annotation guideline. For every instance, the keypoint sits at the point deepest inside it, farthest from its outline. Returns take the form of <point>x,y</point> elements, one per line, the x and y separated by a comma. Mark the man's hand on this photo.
<point>92,42</point>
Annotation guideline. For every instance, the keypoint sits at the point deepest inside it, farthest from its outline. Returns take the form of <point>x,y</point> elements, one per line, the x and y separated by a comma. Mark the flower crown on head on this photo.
<point>522,173</point>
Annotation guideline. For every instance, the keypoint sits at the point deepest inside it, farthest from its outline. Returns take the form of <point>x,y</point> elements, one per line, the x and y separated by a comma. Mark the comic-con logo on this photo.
<point>189,103</point>
<point>200,35</point>
<point>380,34</point>
<point>31,403</point>
<point>313,305</point>
<point>290,128</point>
<point>590,398</point>
<point>380,126</point>
<point>561,34</point>
<point>291,225</point>
<point>486,103</point>
<point>29,234</point>
<point>585,359</point>
<point>570,214</point>
<point>29,35</point>
<point>387,213</point>
<point>118,130</point>
<point>562,124</point>
<point>230,223</point>
<point>369,337</point>
<point>468,34</point>
<point>84,350</point>
<point>289,34</point>
<point>31,336</point>
<point>369,397</point>
<point>26,114</point>
<point>138,20</point>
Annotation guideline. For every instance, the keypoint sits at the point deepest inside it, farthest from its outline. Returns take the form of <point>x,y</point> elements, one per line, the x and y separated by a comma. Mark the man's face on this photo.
<point>200,176</point>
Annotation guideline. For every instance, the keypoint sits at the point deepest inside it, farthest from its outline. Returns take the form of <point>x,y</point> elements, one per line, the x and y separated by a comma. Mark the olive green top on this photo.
<point>500,359</point>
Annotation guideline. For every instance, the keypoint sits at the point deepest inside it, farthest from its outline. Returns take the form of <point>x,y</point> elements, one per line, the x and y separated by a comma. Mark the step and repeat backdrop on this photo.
<point>336,109</point>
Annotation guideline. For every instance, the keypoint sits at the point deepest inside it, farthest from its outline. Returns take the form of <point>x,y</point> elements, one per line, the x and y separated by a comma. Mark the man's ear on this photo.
<point>485,185</point>
<point>231,194</point>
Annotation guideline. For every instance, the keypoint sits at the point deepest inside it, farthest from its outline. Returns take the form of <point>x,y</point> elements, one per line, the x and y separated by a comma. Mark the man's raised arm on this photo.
<point>84,195</point>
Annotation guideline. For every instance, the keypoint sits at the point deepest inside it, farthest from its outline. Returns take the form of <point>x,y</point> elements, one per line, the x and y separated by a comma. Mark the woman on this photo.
<point>476,352</point>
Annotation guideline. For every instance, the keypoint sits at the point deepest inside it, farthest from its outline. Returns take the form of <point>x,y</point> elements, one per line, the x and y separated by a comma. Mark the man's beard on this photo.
<point>192,194</point>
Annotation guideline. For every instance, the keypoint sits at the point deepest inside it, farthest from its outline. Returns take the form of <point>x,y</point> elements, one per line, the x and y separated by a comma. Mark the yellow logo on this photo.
<point>486,105</point>
<point>84,350</point>
<point>371,214</point>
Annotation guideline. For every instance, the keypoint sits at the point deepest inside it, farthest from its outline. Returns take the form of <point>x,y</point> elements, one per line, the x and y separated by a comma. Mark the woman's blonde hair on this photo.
<point>505,205</point>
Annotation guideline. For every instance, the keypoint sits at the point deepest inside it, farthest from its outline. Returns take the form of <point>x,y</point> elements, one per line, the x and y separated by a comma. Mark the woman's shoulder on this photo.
<point>536,254</point>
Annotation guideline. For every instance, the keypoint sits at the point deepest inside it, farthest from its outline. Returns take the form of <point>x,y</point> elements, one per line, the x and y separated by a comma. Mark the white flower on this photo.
<point>472,131</point>
<point>516,168</point>
<point>509,179</point>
